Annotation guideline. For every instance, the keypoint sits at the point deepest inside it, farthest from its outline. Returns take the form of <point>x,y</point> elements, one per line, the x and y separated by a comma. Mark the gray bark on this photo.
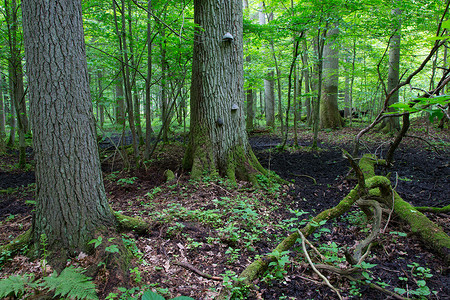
<point>269,83</point>
<point>71,204</point>
<point>329,112</point>
<point>217,91</point>
<point>393,124</point>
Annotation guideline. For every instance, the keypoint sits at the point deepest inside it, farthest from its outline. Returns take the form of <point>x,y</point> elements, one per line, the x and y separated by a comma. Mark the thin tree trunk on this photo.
<point>125,69</point>
<point>148,100</point>
<point>164,99</point>
<point>136,102</point>
<point>12,111</point>
<point>2,114</point>
<point>393,123</point>
<point>269,84</point>
<point>120,103</point>
<point>306,77</point>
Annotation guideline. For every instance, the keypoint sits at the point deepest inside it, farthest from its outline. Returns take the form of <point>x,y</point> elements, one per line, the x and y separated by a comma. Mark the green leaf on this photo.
<point>112,249</point>
<point>439,38</point>
<point>149,295</point>
<point>71,284</point>
<point>399,291</point>
<point>15,285</point>
<point>446,24</point>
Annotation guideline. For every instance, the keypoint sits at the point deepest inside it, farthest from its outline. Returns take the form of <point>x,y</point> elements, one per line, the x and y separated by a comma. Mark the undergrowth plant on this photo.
<point>71,283</point>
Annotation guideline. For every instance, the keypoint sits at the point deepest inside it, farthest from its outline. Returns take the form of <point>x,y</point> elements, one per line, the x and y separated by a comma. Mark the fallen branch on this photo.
<point>190,267</point>
<point>436,210</point>
<point>314,268</point>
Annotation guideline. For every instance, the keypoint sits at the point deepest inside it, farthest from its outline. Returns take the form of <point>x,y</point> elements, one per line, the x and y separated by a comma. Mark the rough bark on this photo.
<point>71,204</point>
<point>218,142</point>
<point>329,111</point>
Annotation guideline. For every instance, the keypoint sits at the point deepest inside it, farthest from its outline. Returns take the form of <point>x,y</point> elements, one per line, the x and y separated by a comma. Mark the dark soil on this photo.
<point>321,181</point>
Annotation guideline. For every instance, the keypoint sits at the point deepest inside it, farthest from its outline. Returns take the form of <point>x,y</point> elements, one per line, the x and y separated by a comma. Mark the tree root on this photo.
<point>16,244</point>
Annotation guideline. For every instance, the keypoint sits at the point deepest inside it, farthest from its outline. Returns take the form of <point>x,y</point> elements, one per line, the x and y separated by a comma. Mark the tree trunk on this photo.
<point>250,112</point>
<point>329,111</point>
<point>148,100</point>
<point>250,95</point>
<point>393,123</point>
<point>136,102</point>
<point>71,204</point>
<point>2,115</point>
<point>125,70</point>
<point>165,120</point>
<point>101,105</point>
<point>12,111</point>
<point>269,83</point>
<point>16,73</point>
<point>306,77</point>
<point>218,141</point>
<point>120,103</point>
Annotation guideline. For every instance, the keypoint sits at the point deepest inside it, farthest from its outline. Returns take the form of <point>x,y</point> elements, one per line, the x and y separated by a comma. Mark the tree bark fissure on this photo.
<point>71,204</point>
<point>218,141</point>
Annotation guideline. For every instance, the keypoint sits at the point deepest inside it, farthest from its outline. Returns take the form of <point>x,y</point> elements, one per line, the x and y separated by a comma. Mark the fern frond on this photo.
<point>72,284</point>
<point>16,285</point>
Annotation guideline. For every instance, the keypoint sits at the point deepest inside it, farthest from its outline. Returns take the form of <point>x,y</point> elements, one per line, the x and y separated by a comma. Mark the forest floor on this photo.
<point>219,227</point>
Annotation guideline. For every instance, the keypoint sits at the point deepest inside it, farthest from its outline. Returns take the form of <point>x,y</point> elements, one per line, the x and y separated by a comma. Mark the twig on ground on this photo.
<point>190,267</point>
<point>307,176</point>
<point>314,268</point>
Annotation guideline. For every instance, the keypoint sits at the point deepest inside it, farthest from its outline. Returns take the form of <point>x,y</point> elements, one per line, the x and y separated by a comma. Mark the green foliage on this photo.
<point>235,285</point>
<point>427,105</point>
<point>149,295</point>
<point>278,266</point>
<point>16,285</point>
<point>125,181</point>
<point>97,242</point>
<point>71,283</point>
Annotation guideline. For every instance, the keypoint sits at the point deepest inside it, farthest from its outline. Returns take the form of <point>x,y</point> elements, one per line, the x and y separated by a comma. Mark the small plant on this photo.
<point>175,229</point>
<point>235,285</point>
<point>126,181</point>
<point>234,254</point>
<point>279,264</point>
<point>151,195</point>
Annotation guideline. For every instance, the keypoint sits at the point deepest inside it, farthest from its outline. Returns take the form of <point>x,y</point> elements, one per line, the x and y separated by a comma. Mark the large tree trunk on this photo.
<point>218,141</point>
<point>71,204</point>
<point>329,112</point>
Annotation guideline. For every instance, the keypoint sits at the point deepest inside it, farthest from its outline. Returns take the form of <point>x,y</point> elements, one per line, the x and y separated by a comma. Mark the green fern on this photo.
<point>16,285</point>
<point>71,283</point>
